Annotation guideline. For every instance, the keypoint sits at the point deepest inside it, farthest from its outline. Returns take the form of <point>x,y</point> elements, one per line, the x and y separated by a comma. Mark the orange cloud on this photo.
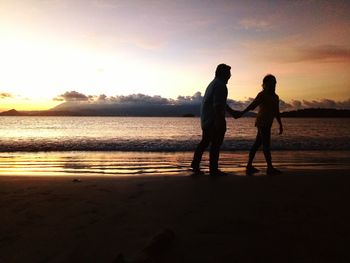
<point>326,53</point>
<point>5,95</point>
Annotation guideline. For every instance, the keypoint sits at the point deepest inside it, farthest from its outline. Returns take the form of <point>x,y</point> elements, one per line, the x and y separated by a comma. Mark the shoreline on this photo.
<point>159,163</point>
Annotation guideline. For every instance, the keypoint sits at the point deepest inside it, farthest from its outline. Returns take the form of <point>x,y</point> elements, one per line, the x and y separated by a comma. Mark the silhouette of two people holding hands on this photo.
<point>213,123</point>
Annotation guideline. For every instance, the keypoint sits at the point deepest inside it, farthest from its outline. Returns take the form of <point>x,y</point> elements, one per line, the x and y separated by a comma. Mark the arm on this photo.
<point>255,103</point>
<point>235,114</point>
<point>278,118</point>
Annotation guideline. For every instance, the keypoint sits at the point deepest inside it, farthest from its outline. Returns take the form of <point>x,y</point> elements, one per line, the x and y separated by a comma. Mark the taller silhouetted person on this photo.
<point>213,121</point>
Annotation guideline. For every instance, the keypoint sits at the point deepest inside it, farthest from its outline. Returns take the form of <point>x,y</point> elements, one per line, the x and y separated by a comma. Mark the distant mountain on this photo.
<point>12,112</point>
<point>317,113</point>
<point>113,109</point>
<point>51,113</point>
<point>128,109</point>
<point>134,109</point>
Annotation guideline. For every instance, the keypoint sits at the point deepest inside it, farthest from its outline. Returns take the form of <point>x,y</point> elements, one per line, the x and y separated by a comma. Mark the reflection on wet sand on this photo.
<point>142,163</point>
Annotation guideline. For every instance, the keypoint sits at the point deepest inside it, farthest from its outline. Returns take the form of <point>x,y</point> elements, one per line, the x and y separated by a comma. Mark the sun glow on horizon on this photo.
<point>169,49</point>
<point>40,69</point>
<point>26,104</point>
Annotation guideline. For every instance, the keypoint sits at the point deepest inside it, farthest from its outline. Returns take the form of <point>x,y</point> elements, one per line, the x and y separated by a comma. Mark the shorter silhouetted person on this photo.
<point>268,102</point>
<point>213,121</point>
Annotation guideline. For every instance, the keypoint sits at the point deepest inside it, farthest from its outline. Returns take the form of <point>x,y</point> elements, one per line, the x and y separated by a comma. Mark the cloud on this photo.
<point>139,99</point>
<point>296,104</point>
<point>326,103</point>
<point>102,97</point>
<point>326,53</point>
<point>344,104</point>
<point>131,105</point>
<point>296,49</point>
<point>251,23</point>
<point>322,103</point>
<point>242,104</point>
<point>285,106</point>
<point>239,104</point>
<point>183,102</point>
<point>5,95</point>
<point>195,99</point>
<point>73,96</point>
<point>145,99</point>
<point>129,99</point>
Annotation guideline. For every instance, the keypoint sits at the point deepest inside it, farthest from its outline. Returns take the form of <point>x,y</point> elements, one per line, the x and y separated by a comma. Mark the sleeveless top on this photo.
<point>268,109</point>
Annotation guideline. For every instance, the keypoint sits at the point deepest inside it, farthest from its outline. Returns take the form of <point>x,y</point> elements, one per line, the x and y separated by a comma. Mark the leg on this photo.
<point>254,149</point>
<point>218,138</point>
<point>204,143</point>
<point>266,141</point>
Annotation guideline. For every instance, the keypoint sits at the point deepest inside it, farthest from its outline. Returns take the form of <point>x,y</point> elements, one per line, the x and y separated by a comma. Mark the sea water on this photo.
<point>159,134</point>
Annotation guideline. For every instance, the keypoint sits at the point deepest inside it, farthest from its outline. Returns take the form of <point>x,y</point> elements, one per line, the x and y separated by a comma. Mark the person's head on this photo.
<point>269,83</point>
<point>223,72</point>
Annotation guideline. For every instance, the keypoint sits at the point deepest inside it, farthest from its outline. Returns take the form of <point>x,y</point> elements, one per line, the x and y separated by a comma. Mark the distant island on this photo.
<point>316,113</point>
<point>188,115</point>
<point>128,111</point>
<point>14,112</point>
<point>171,111</point>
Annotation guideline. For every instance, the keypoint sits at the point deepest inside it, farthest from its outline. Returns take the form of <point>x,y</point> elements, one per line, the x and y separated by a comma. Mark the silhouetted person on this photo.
<point>268,102</point>
<point>213,121</point>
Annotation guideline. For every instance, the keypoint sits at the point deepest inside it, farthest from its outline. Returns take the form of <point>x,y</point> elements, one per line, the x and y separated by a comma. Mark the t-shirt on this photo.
<point>215,97</point>
<point>268,108</point>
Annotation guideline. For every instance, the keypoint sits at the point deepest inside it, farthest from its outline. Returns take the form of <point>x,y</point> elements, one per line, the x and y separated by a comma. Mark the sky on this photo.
<point>170,48</point>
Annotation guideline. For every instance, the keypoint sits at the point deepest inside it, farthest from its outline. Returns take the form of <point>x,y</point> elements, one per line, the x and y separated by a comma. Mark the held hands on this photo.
<point>237,114</point>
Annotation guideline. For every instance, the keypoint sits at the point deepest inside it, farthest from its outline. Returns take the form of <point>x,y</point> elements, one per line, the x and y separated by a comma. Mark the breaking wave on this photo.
<point>45,145</point>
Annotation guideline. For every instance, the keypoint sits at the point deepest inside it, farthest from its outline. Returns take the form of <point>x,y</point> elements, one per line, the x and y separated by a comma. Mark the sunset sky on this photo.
<point>171,48</point>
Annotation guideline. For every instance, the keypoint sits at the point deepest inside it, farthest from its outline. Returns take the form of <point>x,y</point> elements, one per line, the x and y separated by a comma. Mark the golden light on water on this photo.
<point>92,164</point>
<point>100,164</point>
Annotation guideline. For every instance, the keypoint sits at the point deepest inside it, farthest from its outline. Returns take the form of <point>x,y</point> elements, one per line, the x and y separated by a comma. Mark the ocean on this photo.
<point>117,146</point>
<point>159,134</point>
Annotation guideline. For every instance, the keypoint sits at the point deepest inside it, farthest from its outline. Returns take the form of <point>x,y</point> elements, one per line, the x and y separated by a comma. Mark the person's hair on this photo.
<point>269,84</point>
<point>269,79</point>
<point>222,70</point>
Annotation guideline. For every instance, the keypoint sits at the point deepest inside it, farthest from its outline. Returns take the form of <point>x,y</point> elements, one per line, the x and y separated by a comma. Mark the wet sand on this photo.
<point>300,216</point>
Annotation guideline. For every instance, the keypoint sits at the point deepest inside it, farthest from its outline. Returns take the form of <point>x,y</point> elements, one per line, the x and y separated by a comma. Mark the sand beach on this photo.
<point>300,216</point>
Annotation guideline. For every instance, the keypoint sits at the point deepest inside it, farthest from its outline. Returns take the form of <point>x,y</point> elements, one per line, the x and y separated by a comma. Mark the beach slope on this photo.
<point>301,216</point>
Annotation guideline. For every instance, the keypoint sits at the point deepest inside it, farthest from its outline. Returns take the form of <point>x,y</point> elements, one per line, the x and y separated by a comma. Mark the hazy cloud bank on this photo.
<point>324,103</point>
<point>5,95</point>
<point>298,104</point>
<point>71,96</point>
<point>131,105</point>
<point>141,100</point>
